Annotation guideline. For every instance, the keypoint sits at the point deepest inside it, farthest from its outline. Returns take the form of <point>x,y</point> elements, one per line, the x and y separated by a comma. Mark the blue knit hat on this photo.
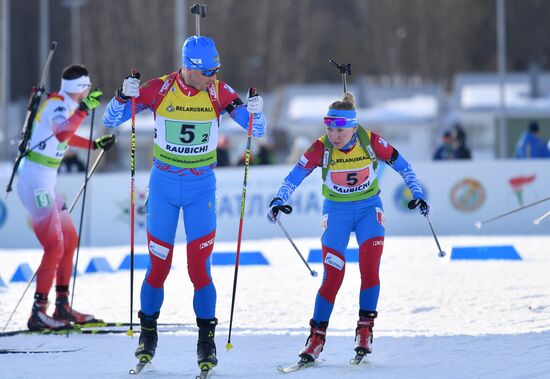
<point>199,53</point>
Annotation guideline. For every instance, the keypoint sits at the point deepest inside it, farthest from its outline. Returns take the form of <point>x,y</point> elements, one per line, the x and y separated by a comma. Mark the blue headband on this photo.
<point>349,114</point>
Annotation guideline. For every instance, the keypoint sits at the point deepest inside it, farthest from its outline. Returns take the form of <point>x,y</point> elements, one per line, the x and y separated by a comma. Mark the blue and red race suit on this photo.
<point>352,204</point>
<point>182,177</point>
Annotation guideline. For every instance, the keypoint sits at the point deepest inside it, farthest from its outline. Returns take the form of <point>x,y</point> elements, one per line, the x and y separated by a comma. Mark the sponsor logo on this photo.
<point>212,92</point>
<point>194,109</point>
<point>378,243</point>
<point>165,87</point>
<point>206,244</point>
<point>518,185</point>
<point>334,261</point>
<point>170,108</point>
<point>186,149</point>
<point>228,88</point>
<point>303,161</point>
<point>3,213</point>
<point>383,142</point>
<point>467,195</point>
<point>196,61</point>
<point>345,190</point>
<point>158,250</point>
<point>380,219</point>
<point>324,222</point>
<point>351,160</point>
<point>371,153</point>
<point>59,109</point>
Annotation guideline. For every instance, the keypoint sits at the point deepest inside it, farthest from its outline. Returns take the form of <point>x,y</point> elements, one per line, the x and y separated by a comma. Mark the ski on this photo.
<point>302,363</point>
<point>140,365</point>
<point>357,359</point>
<point>45,331</point>
<point>120,324</point>
<point>14,350</point>
<point>97,328</point>
<point>204,374</point>
<point>206,370</point>
<point>35,351</point>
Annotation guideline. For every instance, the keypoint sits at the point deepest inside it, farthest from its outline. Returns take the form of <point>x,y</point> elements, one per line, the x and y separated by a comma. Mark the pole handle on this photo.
<point>199,10</point>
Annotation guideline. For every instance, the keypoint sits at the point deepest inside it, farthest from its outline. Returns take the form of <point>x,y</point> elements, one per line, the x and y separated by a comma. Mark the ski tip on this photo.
<point>229,346</point>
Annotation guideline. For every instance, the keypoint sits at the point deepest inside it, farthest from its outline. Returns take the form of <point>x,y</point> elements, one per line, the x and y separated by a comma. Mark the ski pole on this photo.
<point>251,92</point>
<point>92,170</point>
<point>539,220</point>
<point>312,272</point>
<point>441,253</point>
<point>79,240</point>
<point>345,69</point>
<point>479,224</point>
<point>199,10</point>
<point>130,331</point>
<point>32,109</point>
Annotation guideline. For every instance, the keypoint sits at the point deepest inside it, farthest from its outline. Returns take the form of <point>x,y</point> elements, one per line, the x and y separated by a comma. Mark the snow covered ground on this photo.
<point>437,318</point>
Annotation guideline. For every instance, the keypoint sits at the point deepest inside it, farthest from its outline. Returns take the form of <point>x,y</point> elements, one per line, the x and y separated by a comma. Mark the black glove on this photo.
<point>91,101</point>
<point>275,206</point>
<point>424,208</point>
<point>105,142</point>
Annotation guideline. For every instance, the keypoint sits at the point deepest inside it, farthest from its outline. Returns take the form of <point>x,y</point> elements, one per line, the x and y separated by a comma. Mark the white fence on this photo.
<point>460,193</point>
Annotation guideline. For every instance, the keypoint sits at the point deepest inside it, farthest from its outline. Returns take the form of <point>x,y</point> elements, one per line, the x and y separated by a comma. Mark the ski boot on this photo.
<point>206,346</point>
<point>363,332</point>
<point>148,337</point>
<point>39,320</point>
<point>63,309</point>
<point>315,342</point>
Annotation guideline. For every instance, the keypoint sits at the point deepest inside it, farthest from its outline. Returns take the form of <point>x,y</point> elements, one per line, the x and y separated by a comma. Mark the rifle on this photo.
<point>32,109</point>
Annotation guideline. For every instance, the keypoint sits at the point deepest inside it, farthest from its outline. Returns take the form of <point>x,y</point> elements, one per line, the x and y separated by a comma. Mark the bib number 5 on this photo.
<point>187,135</point>
<point>351,179</point>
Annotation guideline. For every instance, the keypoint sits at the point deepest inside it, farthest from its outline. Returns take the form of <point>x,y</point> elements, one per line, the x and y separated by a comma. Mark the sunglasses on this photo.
<point>337,121</point>
<point>211,72</point>
<point>208,73</point>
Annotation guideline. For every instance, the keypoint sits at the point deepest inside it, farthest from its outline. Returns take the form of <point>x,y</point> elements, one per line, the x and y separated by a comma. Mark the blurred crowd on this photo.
<point>453,145</point>
<point>530,144</point>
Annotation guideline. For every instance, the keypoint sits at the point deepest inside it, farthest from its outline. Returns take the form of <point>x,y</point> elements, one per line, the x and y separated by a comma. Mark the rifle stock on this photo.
<point>32,109</point>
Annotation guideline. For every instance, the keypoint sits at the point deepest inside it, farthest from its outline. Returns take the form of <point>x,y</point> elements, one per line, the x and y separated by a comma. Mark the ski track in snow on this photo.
<point>437,318</point>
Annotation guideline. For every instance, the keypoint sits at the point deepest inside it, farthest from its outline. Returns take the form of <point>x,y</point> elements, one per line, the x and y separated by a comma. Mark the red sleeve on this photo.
<point>313,156</point>
<point>226,94</point>
<point>67,128</point>
<point>148,92</point>
<point>382,148</point>
<point>77,141</point>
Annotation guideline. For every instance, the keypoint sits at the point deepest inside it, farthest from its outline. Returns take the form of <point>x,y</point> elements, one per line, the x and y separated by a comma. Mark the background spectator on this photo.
<point>530,145</point>
<point>461,151</point>
<point>445,150</point>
